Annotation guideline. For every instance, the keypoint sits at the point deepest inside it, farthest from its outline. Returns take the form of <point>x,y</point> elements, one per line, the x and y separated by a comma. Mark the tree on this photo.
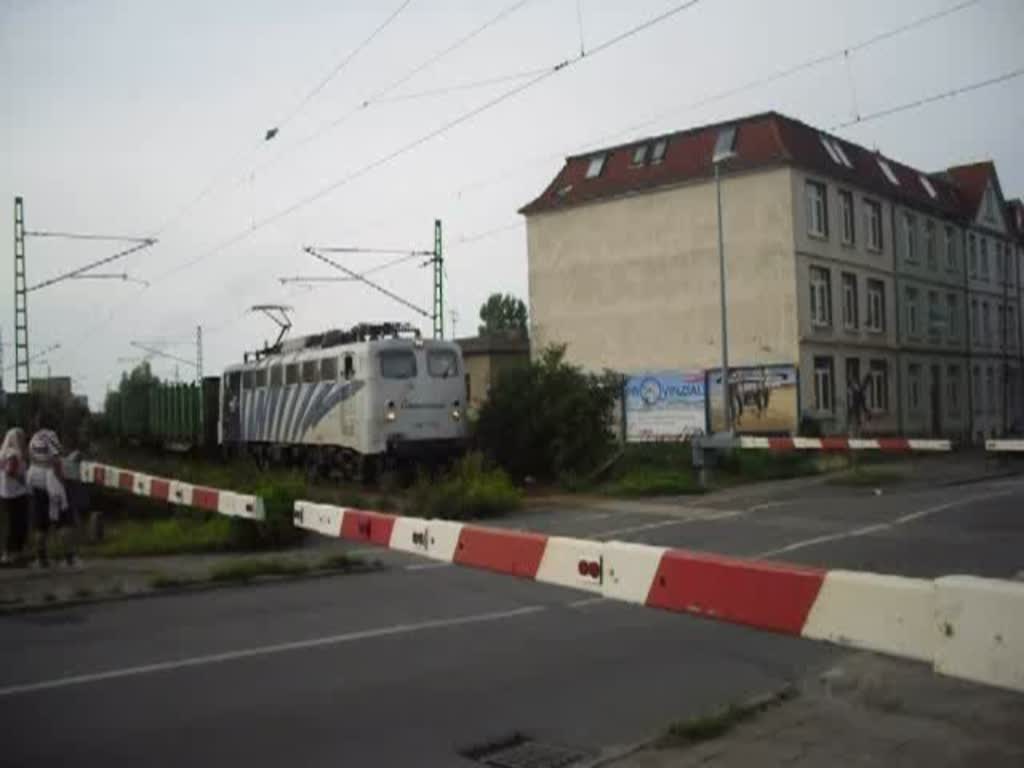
<point>549,420</point>
<point>502,313</point>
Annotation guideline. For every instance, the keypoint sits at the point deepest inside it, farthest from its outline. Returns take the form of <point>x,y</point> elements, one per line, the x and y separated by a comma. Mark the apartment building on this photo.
<point>881,283</point>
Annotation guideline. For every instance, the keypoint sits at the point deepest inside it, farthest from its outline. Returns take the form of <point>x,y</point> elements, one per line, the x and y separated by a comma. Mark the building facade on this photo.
<point>896,293</point>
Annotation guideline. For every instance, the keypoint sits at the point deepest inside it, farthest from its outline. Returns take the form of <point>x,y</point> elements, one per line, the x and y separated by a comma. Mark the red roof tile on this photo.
<point>762,141</point>
<point>972,180</point>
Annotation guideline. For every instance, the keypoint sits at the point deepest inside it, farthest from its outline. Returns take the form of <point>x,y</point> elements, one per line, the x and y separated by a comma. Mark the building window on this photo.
<point>972,255</point>
<point>984,258</point>
<point>887,170</point>
<point>877,394</point>
<point>817,209</point>
<point>952,316</point>
<point>821,297</point>
<point>873,224</point>
<point>640,155</point>
<point>909,238</point>
<point>998,253</point>
<point>824,399</point>
<point>850,305</point>
<point>950,249</point>
<point>990,205</point>
<point>975,325</point>
<point>914,386</point>
<point>990,389</point>
<point>953,390</point>
<point>876,306</point>
<point>911,296</point>
<point>986,324</point>
<point>846,215</point>
<point>934,316</point>
<point>658,152</point>
<point>595,166</point>
<point>931,257</point>
<point>979,396</point>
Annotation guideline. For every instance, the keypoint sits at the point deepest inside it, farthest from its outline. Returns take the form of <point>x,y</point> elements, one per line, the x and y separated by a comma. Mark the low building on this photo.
<point>53,386</point>
<point>882,284</point>
<point>487,358</point>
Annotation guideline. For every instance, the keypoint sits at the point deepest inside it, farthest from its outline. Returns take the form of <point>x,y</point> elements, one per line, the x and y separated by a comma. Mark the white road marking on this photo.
<point>426,566</point>
<point>665,523</point>
<point>585,602</point>
<point>877,527</point>
<point>266,650</point>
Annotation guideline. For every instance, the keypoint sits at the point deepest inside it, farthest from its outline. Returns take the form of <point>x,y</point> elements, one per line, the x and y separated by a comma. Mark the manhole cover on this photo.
<point>522,752</point>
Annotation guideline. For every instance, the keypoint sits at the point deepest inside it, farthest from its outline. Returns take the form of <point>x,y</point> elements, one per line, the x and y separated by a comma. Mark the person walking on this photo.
<point>50,508</point>
<point>14,493</point>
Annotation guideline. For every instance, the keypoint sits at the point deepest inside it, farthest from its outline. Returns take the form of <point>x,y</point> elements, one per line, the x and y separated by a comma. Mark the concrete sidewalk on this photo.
<point>115,577</point>
<point>866,710</point>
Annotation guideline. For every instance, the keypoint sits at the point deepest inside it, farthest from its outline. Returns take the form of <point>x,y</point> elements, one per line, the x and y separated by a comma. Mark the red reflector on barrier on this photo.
<point>594,570</point>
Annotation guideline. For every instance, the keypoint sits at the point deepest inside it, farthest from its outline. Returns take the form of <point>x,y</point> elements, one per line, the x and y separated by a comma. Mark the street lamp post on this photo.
<point>723,151</point>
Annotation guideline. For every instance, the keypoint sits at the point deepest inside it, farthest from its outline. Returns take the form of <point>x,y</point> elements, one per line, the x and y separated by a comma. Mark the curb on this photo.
<point>205,585</point>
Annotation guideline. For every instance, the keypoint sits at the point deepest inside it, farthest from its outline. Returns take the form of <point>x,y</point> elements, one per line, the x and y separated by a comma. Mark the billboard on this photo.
<point>665,405</point>
<point>765,399</point>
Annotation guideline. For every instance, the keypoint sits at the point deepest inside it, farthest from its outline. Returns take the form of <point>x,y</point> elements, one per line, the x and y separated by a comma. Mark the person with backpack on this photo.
<point>50,508</point>
<point>14,497</point>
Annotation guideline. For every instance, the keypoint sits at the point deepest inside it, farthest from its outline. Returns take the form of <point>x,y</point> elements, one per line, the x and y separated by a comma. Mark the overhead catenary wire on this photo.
<point>86,236</point>
<point>394,85</point>
<point>314,252</point>
<point>916,103</point>
<point>75,273</point>
<point>335,71</point>
<point>373,270</point>
<point>711,98</point>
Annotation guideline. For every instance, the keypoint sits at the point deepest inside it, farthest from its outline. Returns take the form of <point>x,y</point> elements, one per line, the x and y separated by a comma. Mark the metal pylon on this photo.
<point>438,261</point>
<point>21,369</point>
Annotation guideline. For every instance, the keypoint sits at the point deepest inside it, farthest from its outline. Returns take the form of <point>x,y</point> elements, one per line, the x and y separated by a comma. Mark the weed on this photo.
<point>337,561</point>
<point>175,535</point>
<point>251,568</point>
<point>163,581</point>
<point>470,490</point>
<point>720,722</point>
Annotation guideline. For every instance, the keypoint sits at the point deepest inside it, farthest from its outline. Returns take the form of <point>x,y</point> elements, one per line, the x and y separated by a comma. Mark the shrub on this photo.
<point>652,469</point>
<point>182,533</point>
<point>549,419</point>
<point>277,529</point>
<point>469,490</point>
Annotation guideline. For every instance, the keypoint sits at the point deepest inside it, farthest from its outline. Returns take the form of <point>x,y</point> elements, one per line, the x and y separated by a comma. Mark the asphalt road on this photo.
<point>410,665</point>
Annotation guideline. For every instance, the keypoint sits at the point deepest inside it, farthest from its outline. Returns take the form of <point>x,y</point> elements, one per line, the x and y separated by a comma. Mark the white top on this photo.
<point>12,486</point>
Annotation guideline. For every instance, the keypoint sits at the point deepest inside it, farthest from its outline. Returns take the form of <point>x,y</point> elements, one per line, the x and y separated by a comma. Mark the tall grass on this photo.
<point>469,490</point>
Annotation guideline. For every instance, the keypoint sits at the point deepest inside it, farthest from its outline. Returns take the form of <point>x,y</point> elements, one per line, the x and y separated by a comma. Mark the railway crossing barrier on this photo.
<point>173,491</point>
<point>966,627</point>
<point>1004,446</point>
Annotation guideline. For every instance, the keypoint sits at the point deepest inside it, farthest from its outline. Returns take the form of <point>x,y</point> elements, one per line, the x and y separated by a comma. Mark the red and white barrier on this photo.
<point>1004,446</point>
<point>843,444</point>
<point>913,618</point>
<point>173,491</point>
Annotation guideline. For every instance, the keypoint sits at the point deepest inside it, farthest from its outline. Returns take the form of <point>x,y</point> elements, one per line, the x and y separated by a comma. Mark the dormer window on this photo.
<point>928,187</point>
<point>595,166</point>
<point>640,155</point>
<point>658,152</point>
<point>990,205</point>
<point>888,172</point>
<point>835,151</point>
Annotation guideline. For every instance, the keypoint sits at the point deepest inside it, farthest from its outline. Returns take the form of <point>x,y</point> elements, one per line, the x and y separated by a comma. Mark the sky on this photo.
<point>147,119</point>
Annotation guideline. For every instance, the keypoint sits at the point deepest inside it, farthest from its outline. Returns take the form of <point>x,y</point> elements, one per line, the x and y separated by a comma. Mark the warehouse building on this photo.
<point>881,283</point>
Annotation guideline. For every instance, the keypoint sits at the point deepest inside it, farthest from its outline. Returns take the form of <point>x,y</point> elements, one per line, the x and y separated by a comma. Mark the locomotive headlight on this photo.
<point>390,416</point>
<point>456,412</point>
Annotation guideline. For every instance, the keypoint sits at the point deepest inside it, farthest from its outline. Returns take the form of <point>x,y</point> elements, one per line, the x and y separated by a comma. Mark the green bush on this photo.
<point>277,529</point>
<point>183,533</point>
<point>549,419</point>
<point>652,469</point>
<point>470,490</point>
<point>753,465</point>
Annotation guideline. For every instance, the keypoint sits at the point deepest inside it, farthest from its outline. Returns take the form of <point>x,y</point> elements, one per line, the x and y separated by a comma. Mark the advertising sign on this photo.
<point>764,399</point>
<point>665,406</point>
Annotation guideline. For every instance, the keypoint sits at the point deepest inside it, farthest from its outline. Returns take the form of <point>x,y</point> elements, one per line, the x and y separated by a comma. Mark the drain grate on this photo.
<point>522,752</point>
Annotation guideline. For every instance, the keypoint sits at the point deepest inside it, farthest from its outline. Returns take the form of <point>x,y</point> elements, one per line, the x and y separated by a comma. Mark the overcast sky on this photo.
<point>117,114</point>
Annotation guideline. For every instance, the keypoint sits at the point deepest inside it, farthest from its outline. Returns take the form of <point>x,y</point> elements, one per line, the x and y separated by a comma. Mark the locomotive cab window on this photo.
<point>397,364</point>
<point>276,376</point>
<point>247,379</point>
<point>260,377</point>
<point>309,372</point>
<point>234,381</point>
<point>329,369</point>
<point>350,367</point>
<point>442,363</point>
<point>291,374</point>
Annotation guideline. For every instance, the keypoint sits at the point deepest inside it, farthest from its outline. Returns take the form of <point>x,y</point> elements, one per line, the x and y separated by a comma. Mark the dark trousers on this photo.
<point>43,524</point>
<point>16,512</point>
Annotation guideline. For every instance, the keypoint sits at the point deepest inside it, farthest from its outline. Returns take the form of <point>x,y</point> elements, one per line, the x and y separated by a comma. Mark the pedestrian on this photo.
<point>50,508</point>
<point>14,493</point>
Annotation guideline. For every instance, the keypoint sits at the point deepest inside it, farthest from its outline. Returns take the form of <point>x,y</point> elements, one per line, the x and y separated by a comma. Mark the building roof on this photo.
<point>762,141</point>
<point>498,343</point>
